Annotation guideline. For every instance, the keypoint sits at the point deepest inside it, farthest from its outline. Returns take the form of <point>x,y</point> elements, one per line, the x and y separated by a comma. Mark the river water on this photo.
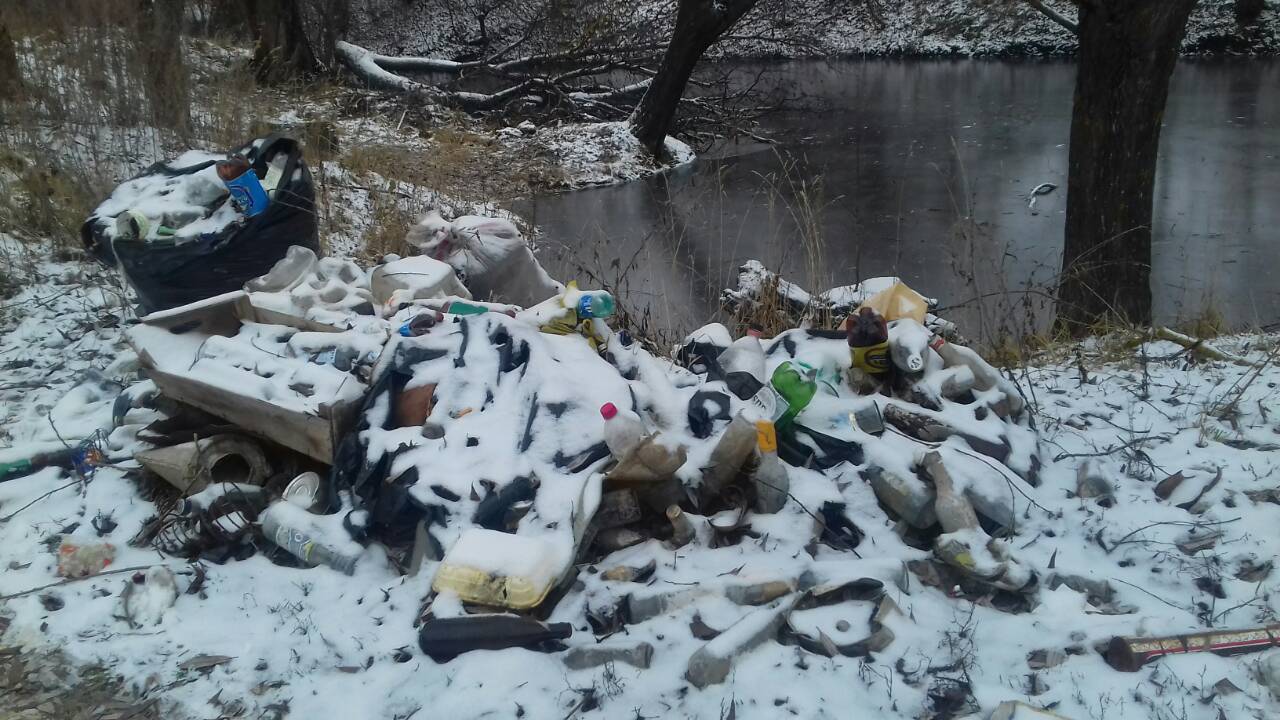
<point>922,169</point>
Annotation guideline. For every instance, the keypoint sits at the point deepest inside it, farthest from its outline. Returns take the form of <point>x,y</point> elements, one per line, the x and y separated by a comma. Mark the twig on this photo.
<point>1109,451</point>
<point>821,522</point>
<point>1198,346</point>
<point>11,515</point>
<point>1166,602</point>
<point>1055,16</point>
<point>1125,539</point>
<point>68,581</point>
<point>1256,591</point>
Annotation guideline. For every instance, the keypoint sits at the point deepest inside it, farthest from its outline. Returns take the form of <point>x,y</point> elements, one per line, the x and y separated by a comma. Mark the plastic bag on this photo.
<point>213,249</point>
<point>899,301</point>
<point>489,254</point>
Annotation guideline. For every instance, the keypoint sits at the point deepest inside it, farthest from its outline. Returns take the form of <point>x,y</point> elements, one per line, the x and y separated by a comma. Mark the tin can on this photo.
<point>304,491</point>
<point>242,182</point>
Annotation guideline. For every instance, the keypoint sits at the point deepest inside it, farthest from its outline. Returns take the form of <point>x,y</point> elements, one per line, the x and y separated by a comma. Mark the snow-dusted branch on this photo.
<point>365,66</point>
<point>1054,15</point>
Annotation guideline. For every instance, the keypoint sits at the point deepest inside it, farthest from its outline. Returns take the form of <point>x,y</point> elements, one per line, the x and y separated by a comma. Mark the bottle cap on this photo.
<point>766,437</point>
<point>608,411</point>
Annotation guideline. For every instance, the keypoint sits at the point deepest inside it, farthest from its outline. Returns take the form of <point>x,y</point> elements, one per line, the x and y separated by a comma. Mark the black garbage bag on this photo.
<point>219,250</point>
<point>800,446</point>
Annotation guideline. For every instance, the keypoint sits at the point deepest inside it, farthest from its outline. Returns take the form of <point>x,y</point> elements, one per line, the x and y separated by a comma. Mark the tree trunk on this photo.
<point>698,24</point>
<point>295,38</point>
<point>1248,11</point>
<point>10,74</point>
<point>166,79</point>
<point>1128,49</point>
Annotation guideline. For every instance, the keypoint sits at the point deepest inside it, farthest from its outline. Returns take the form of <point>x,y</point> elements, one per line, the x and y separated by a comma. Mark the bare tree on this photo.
<point>698,24</point>
<point>601,60</point>
<point>1247,12</point>
<point>10,75</point>
<point>293,38</point>
<point>1127,53</point>
<point>161,28</point>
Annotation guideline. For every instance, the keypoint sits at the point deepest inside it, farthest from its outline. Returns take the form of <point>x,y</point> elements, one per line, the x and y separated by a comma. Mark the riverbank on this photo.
<point>819,29</point>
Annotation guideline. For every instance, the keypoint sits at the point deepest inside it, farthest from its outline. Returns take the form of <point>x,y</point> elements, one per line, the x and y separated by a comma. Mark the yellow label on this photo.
<point>872,359</point>
<point>766,437</point>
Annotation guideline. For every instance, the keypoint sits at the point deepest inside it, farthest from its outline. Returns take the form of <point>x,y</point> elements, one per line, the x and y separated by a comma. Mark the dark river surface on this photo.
<point>922,169</point>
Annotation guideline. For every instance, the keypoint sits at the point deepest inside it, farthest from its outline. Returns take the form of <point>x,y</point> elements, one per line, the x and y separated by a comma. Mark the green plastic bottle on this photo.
<point>796,383</point>
<point>461,307</point>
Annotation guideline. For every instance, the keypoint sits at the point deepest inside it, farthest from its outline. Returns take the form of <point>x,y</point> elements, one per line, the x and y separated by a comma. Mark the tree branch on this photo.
<point>1055,16</point>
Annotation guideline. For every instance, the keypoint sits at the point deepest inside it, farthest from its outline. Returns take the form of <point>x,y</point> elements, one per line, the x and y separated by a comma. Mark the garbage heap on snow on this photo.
<point>505,449</point>
<point>483,424</point>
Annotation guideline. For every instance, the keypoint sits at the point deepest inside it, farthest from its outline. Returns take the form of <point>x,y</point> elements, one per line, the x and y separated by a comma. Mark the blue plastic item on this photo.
<point>247,193</point>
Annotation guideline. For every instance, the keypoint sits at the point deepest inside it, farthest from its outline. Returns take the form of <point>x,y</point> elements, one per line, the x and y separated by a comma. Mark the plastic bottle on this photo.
<point>682,532</point>
<point>868,337</point>
<point>742,365</point>
<point>954,511</point>
<point>461,307</point>
<point>420,324</point>
<point>908,343</point>
<point>795,384</point>
<point>589,303</point>
<point>446,638</point>
<point>985,377</point>
<point>304,544</point>
<point>770,476</point>
<point>622,432</point>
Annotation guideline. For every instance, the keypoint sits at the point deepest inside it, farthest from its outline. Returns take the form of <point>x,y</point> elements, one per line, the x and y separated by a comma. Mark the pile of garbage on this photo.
<point>204,223</point>
<point>484,424</point>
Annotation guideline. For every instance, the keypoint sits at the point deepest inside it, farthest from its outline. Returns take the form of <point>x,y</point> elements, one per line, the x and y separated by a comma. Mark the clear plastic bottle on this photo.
<point>985,376</point>
<point>682,532</point>
<point>590,303</point>
<point>305,544</point>
<point>622,431</point>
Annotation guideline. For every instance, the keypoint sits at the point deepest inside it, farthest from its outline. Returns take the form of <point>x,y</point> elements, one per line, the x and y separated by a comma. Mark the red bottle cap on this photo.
<point>608,411</point>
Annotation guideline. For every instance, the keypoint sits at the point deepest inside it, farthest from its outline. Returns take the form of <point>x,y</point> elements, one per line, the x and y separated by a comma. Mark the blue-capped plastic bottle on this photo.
<point>590,303</point>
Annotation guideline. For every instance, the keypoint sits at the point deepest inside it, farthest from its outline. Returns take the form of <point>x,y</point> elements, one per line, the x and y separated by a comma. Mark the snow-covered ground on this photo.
<point>315,643</point>
<point>595,153</point>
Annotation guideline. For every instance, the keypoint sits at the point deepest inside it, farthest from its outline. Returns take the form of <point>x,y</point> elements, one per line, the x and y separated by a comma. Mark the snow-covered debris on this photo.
<point>488,253</point>
<point>1048,573</point>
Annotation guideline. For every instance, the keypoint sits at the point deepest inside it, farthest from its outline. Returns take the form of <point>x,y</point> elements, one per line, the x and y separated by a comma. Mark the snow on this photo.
<point>329,644</point>
<point>600,153</point>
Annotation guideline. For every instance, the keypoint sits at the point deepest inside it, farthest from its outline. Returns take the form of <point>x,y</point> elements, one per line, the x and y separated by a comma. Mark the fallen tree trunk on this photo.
<point>375,71</point>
